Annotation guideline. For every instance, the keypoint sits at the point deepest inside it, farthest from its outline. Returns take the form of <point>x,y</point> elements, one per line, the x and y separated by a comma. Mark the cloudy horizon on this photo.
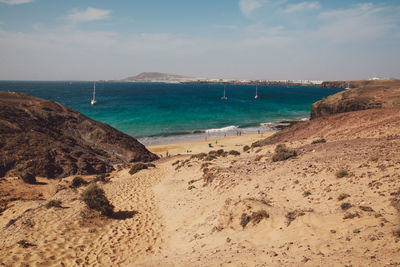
<point>243,39</point>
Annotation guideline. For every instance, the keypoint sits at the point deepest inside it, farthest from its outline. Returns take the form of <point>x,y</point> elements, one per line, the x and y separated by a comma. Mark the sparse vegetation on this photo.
<point>351,215</point>
<point>234,153</point>
<point>395,202</point>
<point>53,203</point>
<point>291,216</point>
<point>140,166</point>
<point>246,148</point>
<point>176,162</point>
<point>283,153</point>
<point>28,178</point>
<point>244,220</point>
<point>342,173</point>
<point>345,206</point>
<point>396,233</point>
<point>96,199</point>
<point>190,187</point>
<point>77,182</point>
<point>306,193</point>
<point>199,156</point>
<point>318,141</point>
<point>343,196</point>
<point>25,244</point>
<point>366,208</point>
<point>258,157</point>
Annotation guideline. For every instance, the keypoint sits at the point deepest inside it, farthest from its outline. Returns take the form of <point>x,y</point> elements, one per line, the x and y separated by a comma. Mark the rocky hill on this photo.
<point>51,140</point>
<point>156,77</point>
<point>363,95</point>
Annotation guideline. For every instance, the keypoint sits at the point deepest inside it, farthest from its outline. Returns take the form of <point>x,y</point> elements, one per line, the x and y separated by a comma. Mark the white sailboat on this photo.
<point>348,86</point>
<point>94,95</point>
<point>224,97</point>
<point>256,93</point>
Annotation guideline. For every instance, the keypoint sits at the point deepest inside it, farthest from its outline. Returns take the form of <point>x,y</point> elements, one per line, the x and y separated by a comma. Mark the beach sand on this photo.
<point>234,210</point>
<point>202,145</point>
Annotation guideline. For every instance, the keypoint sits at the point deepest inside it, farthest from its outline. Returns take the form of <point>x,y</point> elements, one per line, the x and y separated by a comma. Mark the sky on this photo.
<point>242,39</point>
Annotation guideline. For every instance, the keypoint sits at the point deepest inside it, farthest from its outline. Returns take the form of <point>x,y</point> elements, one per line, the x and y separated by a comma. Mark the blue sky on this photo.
<point>256,39</point>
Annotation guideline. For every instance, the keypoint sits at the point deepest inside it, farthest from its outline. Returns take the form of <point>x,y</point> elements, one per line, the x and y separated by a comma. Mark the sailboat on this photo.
<point>94,95</point>
<point>224,97</point>
<point>348,86</point>
<point>256,93</point>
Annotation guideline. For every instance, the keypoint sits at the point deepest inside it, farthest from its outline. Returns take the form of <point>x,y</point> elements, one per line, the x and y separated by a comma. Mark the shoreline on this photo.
<point>189,147</point>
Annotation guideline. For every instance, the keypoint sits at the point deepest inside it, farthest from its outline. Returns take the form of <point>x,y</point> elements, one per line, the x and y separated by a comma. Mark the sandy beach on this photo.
<point>206,145</point>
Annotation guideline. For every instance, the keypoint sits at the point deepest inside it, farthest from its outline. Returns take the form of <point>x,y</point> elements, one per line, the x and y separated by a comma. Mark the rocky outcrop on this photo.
<point>364,95</point>
<point>51,140</point>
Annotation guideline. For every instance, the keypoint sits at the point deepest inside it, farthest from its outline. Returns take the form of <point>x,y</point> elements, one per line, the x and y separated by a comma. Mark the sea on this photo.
<point>163,112</point>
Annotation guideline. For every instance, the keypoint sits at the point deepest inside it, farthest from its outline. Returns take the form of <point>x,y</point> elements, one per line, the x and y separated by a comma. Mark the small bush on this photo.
<point>366,208</point>
<point>351,215</point>
<point>244,220</point>
<point>191,187</point>
<point>318,141</point>
<point>78,181</point>
<point>345,206</point>
<point>258,157</point>
<point>176,162</point>
<point>395,202</point>
<point>210,158</point>
<point>96,199</point>
<point>343,196</point>
<point>25,244</point>
<point>341,173</point>
<point>245,148</point>
<point>53,203</point>
<point>306,193</point>
<point>234,153</point>
<point>140,166</point>
<point>28,178</point>
<point>283,153</point>
<point>199,156</point>
<point>257,216</point>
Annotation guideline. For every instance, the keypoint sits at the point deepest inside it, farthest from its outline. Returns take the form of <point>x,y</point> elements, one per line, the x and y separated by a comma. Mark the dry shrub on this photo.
<point>343,196</point>
<point>283,153</point>
<point>319,141</point>
<point>96,199</point>
<point>345,206</point>
<point>255,217</point>
<point>234,153</point>
<point>140,166</point>
<point>53,203</point>
<point>342,173</point>
<point>395,202</point>
<point>28,178</point>
<point>366,208</point>
<point>176,162</point>
<point>78,181</point>
<point>291,216</point>
<point>246,148</point>
<point>351,215</point>
<point>199,156</point>
<point>258,157</point>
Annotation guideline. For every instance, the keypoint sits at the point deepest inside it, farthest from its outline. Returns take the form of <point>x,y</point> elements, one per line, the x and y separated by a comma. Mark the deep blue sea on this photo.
<point>161,112</point>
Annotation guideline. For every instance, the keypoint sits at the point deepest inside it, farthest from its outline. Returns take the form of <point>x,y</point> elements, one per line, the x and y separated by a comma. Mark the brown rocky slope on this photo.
<point>363,95</point>
<point>51,140</point>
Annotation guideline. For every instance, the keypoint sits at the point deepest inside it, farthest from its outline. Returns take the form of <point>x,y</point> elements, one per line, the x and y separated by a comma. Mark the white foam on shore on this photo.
<point>223,129</point>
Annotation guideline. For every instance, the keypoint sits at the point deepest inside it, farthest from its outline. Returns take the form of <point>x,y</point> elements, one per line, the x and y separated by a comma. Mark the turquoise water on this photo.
<point>155,112</point>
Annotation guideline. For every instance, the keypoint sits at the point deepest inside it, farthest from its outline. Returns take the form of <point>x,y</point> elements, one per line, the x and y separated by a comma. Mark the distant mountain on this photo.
<point>157,77</point>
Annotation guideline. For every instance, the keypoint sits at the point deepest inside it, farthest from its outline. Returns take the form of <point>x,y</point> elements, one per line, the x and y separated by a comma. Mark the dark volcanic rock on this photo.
<point>48,139</point>
<point>365,95</point>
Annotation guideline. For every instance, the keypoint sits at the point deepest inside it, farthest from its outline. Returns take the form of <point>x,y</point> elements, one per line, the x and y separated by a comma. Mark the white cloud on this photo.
<point>248,6</point>
<point>362,22</point>
<point>90,14</point>
<point>302,6</point>
<point>15,2</point>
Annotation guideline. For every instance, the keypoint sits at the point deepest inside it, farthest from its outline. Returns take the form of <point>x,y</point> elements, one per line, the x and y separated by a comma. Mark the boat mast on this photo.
<point>94,91</point>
